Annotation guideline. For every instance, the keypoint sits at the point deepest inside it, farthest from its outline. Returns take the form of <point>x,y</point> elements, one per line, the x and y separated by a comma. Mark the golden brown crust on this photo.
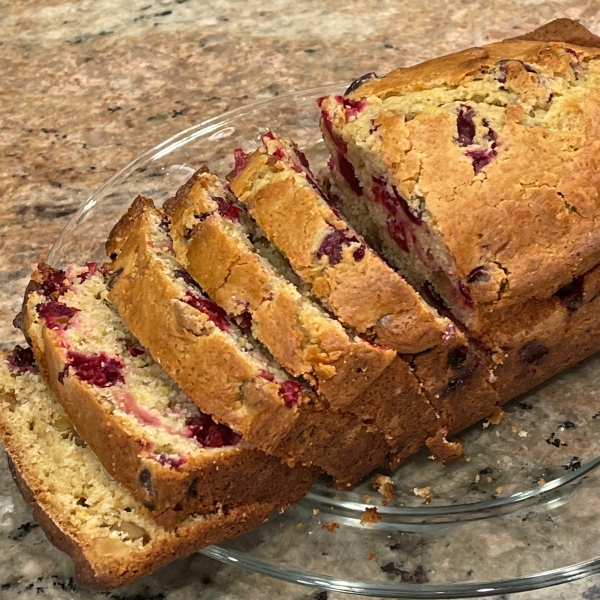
<point>458,68</point>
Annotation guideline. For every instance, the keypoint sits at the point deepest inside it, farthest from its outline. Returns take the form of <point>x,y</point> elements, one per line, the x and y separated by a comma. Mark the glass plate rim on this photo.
<point>324,582</point>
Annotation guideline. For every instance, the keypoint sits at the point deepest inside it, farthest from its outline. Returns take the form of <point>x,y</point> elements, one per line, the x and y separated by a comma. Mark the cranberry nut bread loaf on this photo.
<point>149,436</point>
<point>278,188</point>
<point>536,338</point>
<point>225,373</point>
<point>110,536</point>
<point>211,242</point>
<point>479,169</point>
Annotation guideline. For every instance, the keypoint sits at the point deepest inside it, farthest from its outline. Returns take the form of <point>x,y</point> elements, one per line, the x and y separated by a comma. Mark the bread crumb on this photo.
<point>499,489</point>
<point>486,424</point>
<point>497,416</point>
<point>337,497</point>
<point>372,556</point>
<point>497,433</point>
<point>367,499</point>
<point>521,448</point>
<point>513,429</point>
<point>316,511</point>
<point>468,459</point>
<point>522,434</point>
<point>331,527</point>
<point>299,525</point>
<point>541,481</point>
<point>384,485</point>
<point>384,503</point>
<point>489,480</point>
<point>423,492</point>
<point>477,478</point>
<point>370,516</point>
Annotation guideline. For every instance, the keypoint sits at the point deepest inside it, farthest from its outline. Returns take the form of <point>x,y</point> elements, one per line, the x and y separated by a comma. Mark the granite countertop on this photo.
<point>89,85</point>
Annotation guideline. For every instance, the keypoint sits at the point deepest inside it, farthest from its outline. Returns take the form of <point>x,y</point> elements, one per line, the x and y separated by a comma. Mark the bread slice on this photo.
<point>146,432</point>
<point>478,170</point>
<point>109,535</point>
<point>225,373</point>
<point>363,291</point>
<point>212,243</point>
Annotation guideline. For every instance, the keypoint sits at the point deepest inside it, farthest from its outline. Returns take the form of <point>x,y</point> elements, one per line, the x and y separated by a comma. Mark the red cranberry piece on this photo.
<point>210,434</point>
<point>245,320</point>
<point>391,201</point>
<point>97,369</point>
<point>491,135</point>
<point>183,274</point>
<point>214,312</point>
<point>290,392</point>
<point>577,66</point>
<point>56,315</point>
<point>353,107</point>
<point>21,360</point>
<point>398,232</point>
<point>465,125</point>
<point>136,350</point>
<point>359,253</point>
<point>333,244</point>
<point>91,270</point>
<point>572,294</point>
<point>145,488</point>
<point>338,141</point>
<point>478,274</point>
<point>172,461</point>
<point>480,159</point>
<point>54,283</point>
<point>457,356</point>
<point>358,82</point>
<point>301,166</point>
<point>265,375</point>
<point>466,293</point>
<point>165,224</point>
<point>269,136</point>
<point>348,173</point>
<point>227,210</point>
<point>432,296</point>
<point>455,384</point>
<point>241,160</point>
<point>533,353</point>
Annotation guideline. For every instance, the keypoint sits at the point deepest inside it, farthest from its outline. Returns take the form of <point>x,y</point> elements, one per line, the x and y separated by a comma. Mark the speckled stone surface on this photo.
<point>89,85</point>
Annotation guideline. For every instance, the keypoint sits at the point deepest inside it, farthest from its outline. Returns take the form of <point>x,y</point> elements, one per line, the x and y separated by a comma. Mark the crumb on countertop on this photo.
<point>370,516</point>
<point>331,527</point>
<point>423,492</point>
<point>384,485</point>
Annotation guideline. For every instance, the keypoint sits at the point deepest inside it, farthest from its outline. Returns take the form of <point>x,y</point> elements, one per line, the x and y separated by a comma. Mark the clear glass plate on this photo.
<point>519,513</point>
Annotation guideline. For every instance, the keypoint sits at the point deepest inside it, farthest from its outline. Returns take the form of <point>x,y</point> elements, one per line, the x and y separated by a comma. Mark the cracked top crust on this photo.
<point>495,150</point>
